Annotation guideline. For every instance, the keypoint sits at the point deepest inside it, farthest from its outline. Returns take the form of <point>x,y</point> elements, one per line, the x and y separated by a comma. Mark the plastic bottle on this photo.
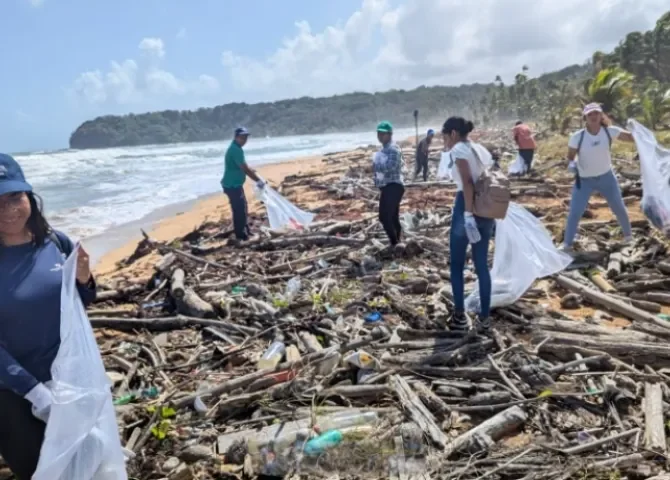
<point>323,442</point>
<point>272,356</point>
<point>293,287</point>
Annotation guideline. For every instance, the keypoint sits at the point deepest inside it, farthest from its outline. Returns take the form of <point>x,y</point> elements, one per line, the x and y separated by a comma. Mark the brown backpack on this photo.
<point>492,193</point>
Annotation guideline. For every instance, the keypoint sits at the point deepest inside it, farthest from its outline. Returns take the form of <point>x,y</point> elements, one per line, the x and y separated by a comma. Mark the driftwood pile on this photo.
<point>370,383</point>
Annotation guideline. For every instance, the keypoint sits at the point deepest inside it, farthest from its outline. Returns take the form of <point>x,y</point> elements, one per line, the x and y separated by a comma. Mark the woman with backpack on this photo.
<point>466,227</point>
<point>31,259</point>
<point>589,153</point>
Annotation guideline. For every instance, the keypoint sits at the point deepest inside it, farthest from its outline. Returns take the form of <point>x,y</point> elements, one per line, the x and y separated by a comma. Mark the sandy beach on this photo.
<point>210,208</point>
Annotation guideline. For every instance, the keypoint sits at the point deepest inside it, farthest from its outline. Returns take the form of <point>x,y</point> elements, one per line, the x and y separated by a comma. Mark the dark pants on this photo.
<point>389,210</point>
<point>527,154</point>
<point>458,245</point>
<point>238,204</point>
<point>421,165</point>
<point>21,435</point>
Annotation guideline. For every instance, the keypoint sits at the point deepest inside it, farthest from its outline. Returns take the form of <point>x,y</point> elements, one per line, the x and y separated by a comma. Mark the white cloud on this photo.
<point>181,34</point>
<point>139,82</point>
<point>153,47</point>
<point>438,42</point>
<point>36,3</point>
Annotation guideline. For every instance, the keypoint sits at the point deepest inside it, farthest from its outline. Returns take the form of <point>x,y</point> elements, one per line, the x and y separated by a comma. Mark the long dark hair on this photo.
<point>37,223</point>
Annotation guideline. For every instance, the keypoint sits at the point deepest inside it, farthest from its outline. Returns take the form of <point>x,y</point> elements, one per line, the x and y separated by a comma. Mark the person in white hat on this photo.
<point>591,163</point>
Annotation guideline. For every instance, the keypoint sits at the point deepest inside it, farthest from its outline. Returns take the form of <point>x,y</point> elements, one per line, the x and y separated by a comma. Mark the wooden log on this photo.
<point>329,254</point>
<point>194,306</point>
<point>615,264</point>
<point>644,286</point>
<point>164,263</point>
<point>177,289</point>
<point>656,297</point>
<point>418,411</point>
<point>106,295</point>
<point>582,328</point>
<point>654,431</point>
<point>434,403</point>
<point>641,304</point>
<point>608,301</point>
<point>656,355</point>
<point>492,429</point>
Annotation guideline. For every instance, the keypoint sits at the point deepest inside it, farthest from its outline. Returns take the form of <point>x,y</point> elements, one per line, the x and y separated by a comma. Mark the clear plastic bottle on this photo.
<point>272,356</point>
<point>293,287</point>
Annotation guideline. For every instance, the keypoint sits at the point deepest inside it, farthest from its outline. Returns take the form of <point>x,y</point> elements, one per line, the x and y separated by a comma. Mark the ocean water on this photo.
<point>89,192</point>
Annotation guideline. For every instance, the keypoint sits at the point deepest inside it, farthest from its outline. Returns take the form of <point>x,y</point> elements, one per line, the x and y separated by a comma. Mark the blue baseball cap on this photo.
<point>12,179</point>
<point>430,132</point>
<point>241,131</point>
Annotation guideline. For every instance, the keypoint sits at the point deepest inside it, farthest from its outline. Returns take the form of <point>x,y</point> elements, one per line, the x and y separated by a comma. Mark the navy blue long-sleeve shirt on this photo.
<point>30,289</point>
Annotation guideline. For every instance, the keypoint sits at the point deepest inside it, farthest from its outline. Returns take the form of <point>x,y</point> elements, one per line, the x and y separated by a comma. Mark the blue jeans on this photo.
<point>606,185</point>
<point>458,244</point>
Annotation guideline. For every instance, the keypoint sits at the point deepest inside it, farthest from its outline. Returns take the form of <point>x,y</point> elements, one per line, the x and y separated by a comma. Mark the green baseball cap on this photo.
<point>385,127</point>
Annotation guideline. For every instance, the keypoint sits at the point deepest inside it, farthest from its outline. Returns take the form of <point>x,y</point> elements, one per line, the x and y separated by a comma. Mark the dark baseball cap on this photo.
<point>12,179</point>
<point>241,131</point>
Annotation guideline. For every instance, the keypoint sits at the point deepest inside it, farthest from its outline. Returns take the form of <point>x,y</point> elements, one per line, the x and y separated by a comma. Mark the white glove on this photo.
<point>471,229</point>
<point>41,399</point>
<point>572,167</point>
<point>261,184</point>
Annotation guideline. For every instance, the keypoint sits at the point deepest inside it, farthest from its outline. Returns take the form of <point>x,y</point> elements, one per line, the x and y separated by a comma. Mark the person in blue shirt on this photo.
<point>31,259</point>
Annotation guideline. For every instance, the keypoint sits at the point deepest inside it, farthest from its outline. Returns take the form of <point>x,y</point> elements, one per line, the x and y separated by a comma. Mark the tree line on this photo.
<point>631,81</point>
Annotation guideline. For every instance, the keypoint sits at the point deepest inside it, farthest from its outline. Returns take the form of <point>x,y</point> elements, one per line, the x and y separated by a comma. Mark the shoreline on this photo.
<point>175,221</point>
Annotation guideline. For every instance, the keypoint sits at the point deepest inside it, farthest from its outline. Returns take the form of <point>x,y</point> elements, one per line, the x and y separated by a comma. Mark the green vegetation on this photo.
<point>631,81</point>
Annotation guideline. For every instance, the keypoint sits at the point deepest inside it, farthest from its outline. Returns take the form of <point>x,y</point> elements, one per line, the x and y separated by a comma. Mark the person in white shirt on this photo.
<point>591,163</point>
<point>466,227</point>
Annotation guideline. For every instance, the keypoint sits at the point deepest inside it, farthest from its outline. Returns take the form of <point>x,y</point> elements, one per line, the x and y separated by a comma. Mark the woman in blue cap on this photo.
<point>31,259</point>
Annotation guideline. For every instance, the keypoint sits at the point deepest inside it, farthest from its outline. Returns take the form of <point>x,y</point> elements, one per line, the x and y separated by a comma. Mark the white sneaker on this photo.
<point>566,249</point>
<point>628,240</point>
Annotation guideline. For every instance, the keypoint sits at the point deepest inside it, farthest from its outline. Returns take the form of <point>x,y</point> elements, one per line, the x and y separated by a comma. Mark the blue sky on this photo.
<point>57,54</point>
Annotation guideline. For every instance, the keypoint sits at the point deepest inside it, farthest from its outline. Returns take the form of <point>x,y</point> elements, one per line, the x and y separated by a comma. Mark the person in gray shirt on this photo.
<point>422,155</point>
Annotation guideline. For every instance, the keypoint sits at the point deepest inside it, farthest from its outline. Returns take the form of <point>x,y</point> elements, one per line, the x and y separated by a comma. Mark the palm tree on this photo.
<point>610,87</point>
<point>654,104</point>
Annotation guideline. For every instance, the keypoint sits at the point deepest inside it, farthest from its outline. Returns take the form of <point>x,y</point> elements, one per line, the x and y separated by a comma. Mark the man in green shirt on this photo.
<point>235,174</point>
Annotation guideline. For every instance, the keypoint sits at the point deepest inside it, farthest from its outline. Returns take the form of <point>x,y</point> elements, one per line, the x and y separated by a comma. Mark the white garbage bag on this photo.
<point>282,213</point>
<point>444,168</point>
<point>524,252</point>
<point>655,171</point>
<point>518,167</point>
<point>81,441</point>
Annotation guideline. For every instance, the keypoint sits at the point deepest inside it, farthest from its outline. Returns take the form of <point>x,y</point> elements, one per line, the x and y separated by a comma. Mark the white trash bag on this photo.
<point>444,168</point>
<point>655,171</point>
<point>282,213</point>
<point>524,252</point>
<point>518,167</point>
<point>81,441</point>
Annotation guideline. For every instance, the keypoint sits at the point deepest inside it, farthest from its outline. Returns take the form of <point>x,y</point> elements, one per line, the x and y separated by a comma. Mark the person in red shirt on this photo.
<point>523,137</point>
